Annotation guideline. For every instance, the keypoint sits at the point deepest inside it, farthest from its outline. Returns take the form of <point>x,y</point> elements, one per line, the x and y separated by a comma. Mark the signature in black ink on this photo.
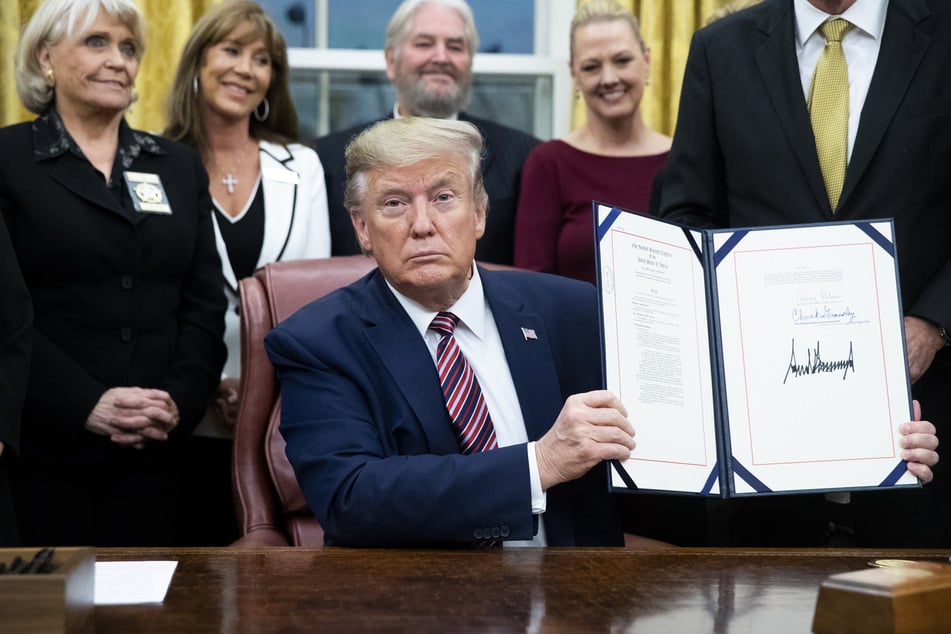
<point>815,365</point>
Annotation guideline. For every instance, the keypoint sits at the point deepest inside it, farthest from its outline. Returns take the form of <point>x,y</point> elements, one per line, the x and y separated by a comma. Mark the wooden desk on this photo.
<point>517,590</point>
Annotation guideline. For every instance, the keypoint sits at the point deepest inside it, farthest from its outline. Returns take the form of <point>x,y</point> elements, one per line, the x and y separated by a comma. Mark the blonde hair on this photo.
<point>182,111</point>
<point>58,19</point>
<point>408,140</point>
<point>603,11</point>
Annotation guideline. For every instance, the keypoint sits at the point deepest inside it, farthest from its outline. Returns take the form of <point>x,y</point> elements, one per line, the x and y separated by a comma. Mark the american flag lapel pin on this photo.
<point>529,334</point>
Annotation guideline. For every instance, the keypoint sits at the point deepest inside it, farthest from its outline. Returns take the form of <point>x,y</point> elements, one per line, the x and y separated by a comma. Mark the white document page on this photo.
<point>657,350</point>
<point>813,356</point>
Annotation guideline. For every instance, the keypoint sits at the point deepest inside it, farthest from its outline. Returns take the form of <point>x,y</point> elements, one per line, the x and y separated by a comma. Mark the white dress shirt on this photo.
<point>860,45</point>
<point>396,113</point>
<point>478,338</point>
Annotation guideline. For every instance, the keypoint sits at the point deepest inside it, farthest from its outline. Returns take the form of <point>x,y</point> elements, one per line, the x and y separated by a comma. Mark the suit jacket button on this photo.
<point>126,282</point>
<point>504,531</point>
<point>126,334</point>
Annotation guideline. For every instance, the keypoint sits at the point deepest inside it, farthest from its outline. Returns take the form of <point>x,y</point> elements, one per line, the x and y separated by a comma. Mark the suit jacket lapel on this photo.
<point>280,182</point>
<point>528,352</point>
<point>226,269</point>
<point>904,43</point>
<point>69,171</point>
<point>779,68</point>
<point>399,346</point>
<point>527,345</point>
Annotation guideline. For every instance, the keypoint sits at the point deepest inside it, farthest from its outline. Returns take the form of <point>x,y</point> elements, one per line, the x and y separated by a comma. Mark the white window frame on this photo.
<point>552,23</point>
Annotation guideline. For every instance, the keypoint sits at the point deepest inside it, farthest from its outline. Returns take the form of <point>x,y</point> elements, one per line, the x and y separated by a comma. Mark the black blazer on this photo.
<point>744,152</point>
<point>120,298</point>
<point>15,315</point>
<point>505,152</point>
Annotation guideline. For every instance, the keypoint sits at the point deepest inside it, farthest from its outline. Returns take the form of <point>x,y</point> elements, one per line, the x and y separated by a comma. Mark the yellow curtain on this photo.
<point>168,23</point>
<point>13,13</point>
<point>667,28</point>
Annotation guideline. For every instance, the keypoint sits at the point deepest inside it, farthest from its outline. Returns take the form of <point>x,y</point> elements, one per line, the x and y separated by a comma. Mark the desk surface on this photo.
<point>500,590</point>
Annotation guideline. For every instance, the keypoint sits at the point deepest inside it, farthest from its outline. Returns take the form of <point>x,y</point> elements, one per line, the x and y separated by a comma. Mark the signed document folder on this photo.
<point>754,361</point>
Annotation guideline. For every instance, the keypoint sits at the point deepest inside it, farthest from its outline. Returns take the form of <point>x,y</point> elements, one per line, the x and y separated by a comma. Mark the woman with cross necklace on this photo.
<point>231,100</point>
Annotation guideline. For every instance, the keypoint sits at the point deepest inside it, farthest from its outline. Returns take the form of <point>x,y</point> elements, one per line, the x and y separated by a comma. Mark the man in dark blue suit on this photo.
<point>429,49</point>
<point>363,409</point>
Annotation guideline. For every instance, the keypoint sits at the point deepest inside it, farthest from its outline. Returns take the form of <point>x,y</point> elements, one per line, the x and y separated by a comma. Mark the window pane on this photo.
<point>295,19</point>
<point>505,26</point>
<point>358,97</point>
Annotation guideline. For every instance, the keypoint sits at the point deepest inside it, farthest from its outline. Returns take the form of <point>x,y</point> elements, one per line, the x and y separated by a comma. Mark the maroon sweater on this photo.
<point>554,229</point>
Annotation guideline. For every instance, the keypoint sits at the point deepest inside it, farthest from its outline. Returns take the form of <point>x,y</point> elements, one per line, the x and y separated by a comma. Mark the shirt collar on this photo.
<point>52,139</point>
<point>397,115</point>
<point>867,16</point>
<point>471,308</point>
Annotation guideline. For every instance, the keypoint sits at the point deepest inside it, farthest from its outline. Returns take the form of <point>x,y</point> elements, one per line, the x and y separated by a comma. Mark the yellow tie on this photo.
<point>829,108</point>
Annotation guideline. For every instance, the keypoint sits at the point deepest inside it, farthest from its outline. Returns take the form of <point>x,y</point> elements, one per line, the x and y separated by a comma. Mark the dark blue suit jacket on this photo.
<point>370,439</point>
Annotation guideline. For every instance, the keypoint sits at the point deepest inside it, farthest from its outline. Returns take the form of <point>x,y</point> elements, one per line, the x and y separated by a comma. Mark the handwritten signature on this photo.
<point>815,365</point>
<point>825,314</point>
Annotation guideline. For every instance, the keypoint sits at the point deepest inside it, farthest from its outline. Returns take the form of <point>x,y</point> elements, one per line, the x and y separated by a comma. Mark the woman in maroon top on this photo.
<point>612,158</point>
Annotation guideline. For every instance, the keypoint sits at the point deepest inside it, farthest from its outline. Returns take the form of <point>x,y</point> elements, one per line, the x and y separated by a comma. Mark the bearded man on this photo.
<point>429,49</point>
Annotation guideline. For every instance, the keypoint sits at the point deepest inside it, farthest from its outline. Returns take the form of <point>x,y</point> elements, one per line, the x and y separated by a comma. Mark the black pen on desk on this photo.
<point>39,562</point>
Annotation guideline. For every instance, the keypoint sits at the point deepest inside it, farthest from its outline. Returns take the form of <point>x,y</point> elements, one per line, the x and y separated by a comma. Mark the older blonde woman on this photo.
<point>112,232</point>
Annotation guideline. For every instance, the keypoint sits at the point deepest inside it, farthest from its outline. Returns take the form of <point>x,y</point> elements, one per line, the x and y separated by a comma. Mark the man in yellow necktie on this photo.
<point>799,111</point>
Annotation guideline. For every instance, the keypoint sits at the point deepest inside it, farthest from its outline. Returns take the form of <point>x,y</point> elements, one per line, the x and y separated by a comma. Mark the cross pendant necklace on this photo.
<point>229,182</point>
<point>238,159</point>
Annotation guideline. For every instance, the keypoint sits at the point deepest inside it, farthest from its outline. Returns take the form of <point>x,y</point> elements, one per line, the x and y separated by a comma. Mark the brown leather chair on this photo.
<point>271,509</point>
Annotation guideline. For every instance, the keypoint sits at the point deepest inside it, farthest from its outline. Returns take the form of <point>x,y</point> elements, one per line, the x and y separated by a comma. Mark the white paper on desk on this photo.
<point>131,582</point>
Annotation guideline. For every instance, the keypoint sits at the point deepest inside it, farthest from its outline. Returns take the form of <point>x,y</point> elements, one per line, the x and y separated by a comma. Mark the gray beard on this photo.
<point>414,96</point>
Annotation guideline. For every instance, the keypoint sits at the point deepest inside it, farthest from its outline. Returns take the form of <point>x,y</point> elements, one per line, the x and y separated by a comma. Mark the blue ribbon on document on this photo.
<point>877,237</point>
<point>605,225</point>
<point>892,478</point>
<point>739,470</point>
<point>625,476</point>
<point>728,246</point>
<point>711,479</point>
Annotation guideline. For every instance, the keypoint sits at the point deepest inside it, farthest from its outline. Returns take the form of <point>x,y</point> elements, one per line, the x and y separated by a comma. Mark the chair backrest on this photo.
<point>270,506</point>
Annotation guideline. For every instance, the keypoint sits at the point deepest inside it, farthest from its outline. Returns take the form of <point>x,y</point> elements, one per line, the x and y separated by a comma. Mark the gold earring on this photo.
<point>49,77</point>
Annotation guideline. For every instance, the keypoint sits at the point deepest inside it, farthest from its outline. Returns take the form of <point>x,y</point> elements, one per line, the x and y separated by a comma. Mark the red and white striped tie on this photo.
<point>467,408</point>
